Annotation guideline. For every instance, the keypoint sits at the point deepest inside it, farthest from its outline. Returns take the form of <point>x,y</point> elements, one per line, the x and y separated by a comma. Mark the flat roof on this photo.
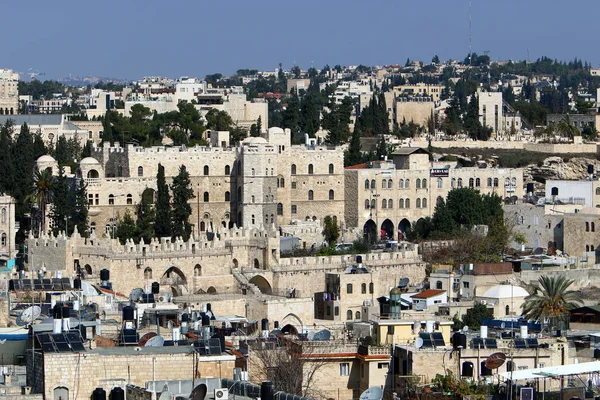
<point>547,372</point>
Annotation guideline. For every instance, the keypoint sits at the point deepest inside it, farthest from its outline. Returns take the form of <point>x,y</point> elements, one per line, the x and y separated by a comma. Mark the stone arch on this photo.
<point>148,196</point>
<point>403,228</point>
<point>235,263</point>
<point>370,231</point>
<point>293,321</point>
<point>387,229</point>
<point>60,393</point>
<point>88,269</point>
<point>262,284</point>
<point>92,173</point>
<point>173,276</point>
<point>211,290</point>
<point>256,263</point>
<point>289,329</point>
<point>197,270</point>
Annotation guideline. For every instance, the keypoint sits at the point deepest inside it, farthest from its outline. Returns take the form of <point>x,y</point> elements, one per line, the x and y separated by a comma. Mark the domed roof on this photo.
<point>395,291</point>
<point>505,292</point>
<point>255,140</point>
<point>88,161</point>
<point>46,158</point>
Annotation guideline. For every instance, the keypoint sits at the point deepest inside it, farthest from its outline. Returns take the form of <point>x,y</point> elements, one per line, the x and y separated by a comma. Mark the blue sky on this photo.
<point>133,38</point>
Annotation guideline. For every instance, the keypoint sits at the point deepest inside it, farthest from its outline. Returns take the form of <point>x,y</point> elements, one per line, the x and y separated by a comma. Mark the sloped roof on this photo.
<point>428,293</point>
<point>405,151</point>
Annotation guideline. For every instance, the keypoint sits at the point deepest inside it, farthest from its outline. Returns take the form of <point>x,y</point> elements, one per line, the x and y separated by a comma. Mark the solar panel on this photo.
<point>66,283</point>
<point>37,284</point>
<point>27,285</point>
<point>201,347</point>
<point>520,344</point>
<point>47,284</point>
<point>16,284</point>
<point>57,284</point>
<point>427,342</point>
<point>75,340</point>
<point>215,346</point>
<point>491,344</point>
<point>478,343</point>
<point>183,342</point>
<point>129,336</point>
<point>46,343</point>
<point>532,343</point>
<point>438,339</point>
<point>60,341</point>
<point>168,343</point>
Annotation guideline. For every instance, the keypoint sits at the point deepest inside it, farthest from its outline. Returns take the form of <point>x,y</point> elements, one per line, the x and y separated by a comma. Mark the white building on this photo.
<point>428,298</point>
<point>8,229</point>
<point>9,92</point>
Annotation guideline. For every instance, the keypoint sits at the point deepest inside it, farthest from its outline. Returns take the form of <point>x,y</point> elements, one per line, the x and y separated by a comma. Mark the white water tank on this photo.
<point>176,333</point>
<point>483,331</point>
<point>429,326</point>
<point>524,333</point>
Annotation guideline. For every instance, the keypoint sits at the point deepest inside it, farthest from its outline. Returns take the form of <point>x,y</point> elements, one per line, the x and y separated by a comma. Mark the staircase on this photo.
<point>245,283</point>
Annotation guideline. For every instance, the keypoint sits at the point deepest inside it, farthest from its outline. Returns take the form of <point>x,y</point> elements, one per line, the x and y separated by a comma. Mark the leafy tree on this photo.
<point>126,228</point>
<point>551,299</point>
<point>331,231</point>
<point>472,318</point>
<point>62,209</point>
<point>218,120</point>
<point>23,157</point>
<point>353,155</point>
<point>435,60</point>
<point>162,225</point>
<point>182,194</point>
<point>80,213</point>
<point>336,121</point>
<point>146,217</point>
<point>41,193</point>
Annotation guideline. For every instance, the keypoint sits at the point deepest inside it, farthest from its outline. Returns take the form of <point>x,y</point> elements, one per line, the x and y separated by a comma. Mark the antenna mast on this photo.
<point>470,35</point>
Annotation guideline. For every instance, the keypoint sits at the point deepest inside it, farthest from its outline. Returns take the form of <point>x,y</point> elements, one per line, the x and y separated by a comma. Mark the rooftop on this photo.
<point>428,293</point>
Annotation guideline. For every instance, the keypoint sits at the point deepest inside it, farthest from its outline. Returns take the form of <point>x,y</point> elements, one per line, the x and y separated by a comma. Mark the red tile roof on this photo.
<point>357,166</point>
<point>428,293</point>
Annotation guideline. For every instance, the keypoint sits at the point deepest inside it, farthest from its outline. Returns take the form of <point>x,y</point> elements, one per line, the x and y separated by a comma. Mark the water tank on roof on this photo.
<point>128,313</point>
<point>205,320</point>
<point>276,324</point>
<point>267,391</point>
<point>459,340</point>
<point>485,371</point>
<point>590,169</point>
<point>264,324</point>
<point>597,354</point>
<point>77,284</point>
<point>99,394</point>
<point>208,307</point>
<point>117,393</point>
<point>185,317</point>
<point>104,275</point>
<point>530,187</point>
<point>467,369</point>
<point>155,288</point>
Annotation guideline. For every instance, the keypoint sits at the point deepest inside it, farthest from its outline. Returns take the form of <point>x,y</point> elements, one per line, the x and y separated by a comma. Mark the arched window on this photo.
<point>407,184</point>
<point>477,182</point>
<point>331,168</point>
<point>495,182</point>
<point>513,181</point>
<point>331,195</point>
<point>198,270</point>
<point>424,183</point>
<point>129,199</point>
<point>373,204</point>
<point>384,184</point>
<point>206,197</point>
<point>598,191</point>
<point>440,183</point>
<point>471,182</point>
<point>507,182</point>
<point>202,226</point>
<point>3,218</point>
<point>401,184</point>
<point>206,170</point>
<point>489,182</point>
<point>401,203</point>
<point>373,183</point>
<point>363,288</point>
<point>366,184</point>
<point>148,273</point>
<point>453,183</point>
<point>384,203</point>
<point>111,199</point>
<point>587,226</point>
<point>418,183</point>
<point>390,184</point>
<point>311,195</point>
<point>140,171</point>
<point>336,311</point>
<point>371,288</point>
<point>407,203</point>
<point>438,285</point>
<point>4,240</point>
<point>424,202</point>
<point>390,203</point>
<point>311,169</point>
<point>459,182</point>
<point>357,315</point>
<point>587,248</point>
<point>439,200</point>
<point>279,209</point>
<point>293,172</point>
<point>227,170</point>
<point>282,182</point>
<point>227,196</point>
<point>366,204</point>
<point>418,205</point>
<point>349,288</point>
<point>349,315</point>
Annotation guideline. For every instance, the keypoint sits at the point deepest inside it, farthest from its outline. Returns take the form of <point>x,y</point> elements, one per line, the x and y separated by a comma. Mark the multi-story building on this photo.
<point>7,227</point>
<point>52,126</point>
<point>9,92</point>
<point>384,198</point>
<point>419,90</point>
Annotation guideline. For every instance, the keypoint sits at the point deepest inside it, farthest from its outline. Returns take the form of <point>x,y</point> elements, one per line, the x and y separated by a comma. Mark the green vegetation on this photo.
<point>182,194</point>
<point>551,300</point>
<point>162,224</point>
<point>331,231</point>
<point>473,317</point>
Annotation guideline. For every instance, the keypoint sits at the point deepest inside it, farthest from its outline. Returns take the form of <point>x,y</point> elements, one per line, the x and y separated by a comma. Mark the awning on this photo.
<point>547,372</point>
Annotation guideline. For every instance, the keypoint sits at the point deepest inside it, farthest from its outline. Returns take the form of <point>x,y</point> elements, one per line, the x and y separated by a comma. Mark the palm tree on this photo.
<point>551,300</point>
<point>566,128</point>
<point>42,188</point>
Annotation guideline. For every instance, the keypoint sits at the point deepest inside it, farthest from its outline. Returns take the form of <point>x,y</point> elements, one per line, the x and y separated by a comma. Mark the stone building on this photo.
<point>51,126</point>
<point>384,198</point>
<point>8,227</point>
<point>9,92</point>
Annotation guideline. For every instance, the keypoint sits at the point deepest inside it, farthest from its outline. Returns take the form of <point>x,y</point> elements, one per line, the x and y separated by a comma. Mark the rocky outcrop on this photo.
<point>558,168</point>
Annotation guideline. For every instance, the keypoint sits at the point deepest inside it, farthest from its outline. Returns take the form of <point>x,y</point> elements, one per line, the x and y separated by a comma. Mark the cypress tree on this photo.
<point>182,194</point>
<point>80,213</point>
<point>162,225</point>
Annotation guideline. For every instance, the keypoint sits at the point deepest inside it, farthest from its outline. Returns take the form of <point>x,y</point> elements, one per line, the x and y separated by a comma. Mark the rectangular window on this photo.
<point>383,365</point>
<point>344,369</point>
<point>466,285</point>
<point>293,185</point>
<point>294,209</point>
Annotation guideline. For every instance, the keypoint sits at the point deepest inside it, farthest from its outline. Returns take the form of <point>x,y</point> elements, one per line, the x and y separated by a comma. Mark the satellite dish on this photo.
<point>136,294</point>
<point>156,341</point>
<point>403,283</point>
<point>502,325</point>
<point>166,395</point>
<point>29,315</point>
<point>419,343</point>
<point>495,361</point>
<point>310,335</point>
<point>322,335</point>
<point>145,338</point>
<point>276,332</point>
<point>199,392</point>
<point>372,393</point>
<point>465,329</point>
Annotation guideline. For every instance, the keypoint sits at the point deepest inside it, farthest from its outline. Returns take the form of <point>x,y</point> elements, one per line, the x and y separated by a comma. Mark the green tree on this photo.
<point>23,157</point>
<point>182,194</point>
<point>41,193</point>
<point>146,217</point>
<point>62,209</point>
<point>162,225</point>
<point>551,300</point>
<point>80,213</point>
<point>126,228</point>
<point>218,120</point>
<point>472,318</point>
<point>435,60</point>
<point>331,231</point>
<point>353,155</point>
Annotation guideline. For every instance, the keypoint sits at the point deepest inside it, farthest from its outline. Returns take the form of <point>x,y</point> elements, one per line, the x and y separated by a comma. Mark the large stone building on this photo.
<point>384,198</point>
<point>9,92</point>
<point>51,126</point>
<point>7,227</point>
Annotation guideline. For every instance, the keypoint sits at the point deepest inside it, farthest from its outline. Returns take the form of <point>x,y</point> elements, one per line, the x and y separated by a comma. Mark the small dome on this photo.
<point>255,140</point>
<point>395,292</point>
<point>88,161</point>
<point>46,158</point>
<point>505,292</point>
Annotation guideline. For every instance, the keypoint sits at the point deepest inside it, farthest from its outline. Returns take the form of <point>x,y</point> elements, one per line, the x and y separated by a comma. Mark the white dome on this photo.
<point>46,158</point>
<point>255,140</point>
<point>505,292</point>
<point>88,161</point>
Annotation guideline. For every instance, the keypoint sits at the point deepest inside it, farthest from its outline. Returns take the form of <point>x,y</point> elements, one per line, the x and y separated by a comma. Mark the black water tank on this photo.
<point>104,275</point>
<point>77,284</point>
<point>530,187</point>
<point>185,317</point>
<point>591,169</point>
<point>467,369</point>
<point>359,259</point>
<point>208,307</point>
<point>267,391</point>
<point>66,311</point>
<point>128,313</point>
<point>596,353</point>
<point>99,394</point>
<point>554,191</point>
<point>221,340</point>
<point>57,311</point>
<point>264,324</point>
<point>155,287</point>
<point>234,326</point>
<point>276,325</point>
<point>117,393</point>
<point>459,339</point>
<point>205,320</point>
<point>485,371</point>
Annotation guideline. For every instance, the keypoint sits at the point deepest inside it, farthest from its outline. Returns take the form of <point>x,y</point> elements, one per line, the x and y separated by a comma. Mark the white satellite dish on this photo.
<point>465,329</point>
<point>372,393</point>
<point>502,325</point>
<point>166,395</point>
<point>310,335</point>
<point>156,341</point>
<point>30,314</point>
<point>419,343</point>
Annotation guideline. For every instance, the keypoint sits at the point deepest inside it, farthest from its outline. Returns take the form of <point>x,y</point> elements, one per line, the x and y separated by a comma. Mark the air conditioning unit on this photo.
<point>221,394</point>
<point>483,302</point>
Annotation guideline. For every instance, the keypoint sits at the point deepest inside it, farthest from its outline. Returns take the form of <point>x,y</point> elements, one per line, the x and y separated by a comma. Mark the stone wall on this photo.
<point>564,148</point>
